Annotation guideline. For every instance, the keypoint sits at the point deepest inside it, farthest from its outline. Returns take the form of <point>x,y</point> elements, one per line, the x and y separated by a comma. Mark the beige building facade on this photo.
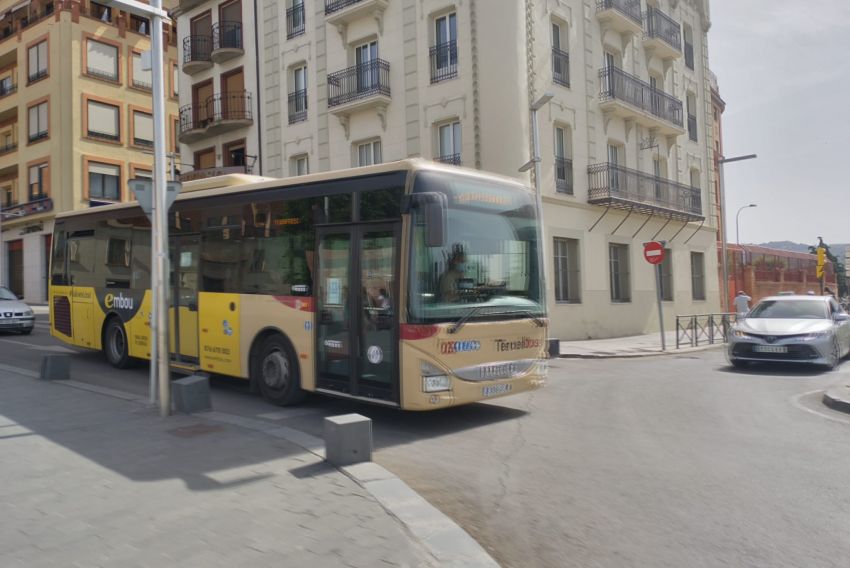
<point>75,122</point>
<point>625,141</point>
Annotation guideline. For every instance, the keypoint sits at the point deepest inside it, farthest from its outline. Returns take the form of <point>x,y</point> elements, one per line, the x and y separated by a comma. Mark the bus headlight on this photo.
<point>433,379</point>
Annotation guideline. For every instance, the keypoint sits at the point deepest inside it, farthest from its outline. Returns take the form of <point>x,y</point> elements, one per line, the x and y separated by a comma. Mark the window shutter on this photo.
<point>102,58</point>
<point>104,169</point>
<point>139,74</point>
<point>143,126</point>
<point>103,118</point>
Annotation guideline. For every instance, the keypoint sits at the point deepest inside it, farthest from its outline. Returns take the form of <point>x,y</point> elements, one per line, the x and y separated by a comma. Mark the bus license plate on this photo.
<point>770,348</point>
<point>494,390</point>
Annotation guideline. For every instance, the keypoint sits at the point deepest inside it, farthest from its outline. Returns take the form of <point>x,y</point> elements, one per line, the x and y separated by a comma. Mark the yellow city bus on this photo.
<point>409,284</point>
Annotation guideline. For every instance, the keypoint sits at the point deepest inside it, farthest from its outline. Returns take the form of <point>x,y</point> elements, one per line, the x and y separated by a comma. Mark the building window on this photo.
<point>175,80</point>
<point>567,288</point>
<point>560,57</point>
<point>563,161</point>
<point>38,61</point>
<point>613,167</point>
<point>618,260</point>
<point>295,19</point>
<point>449,143</point>
<point>8,196</point>
<point>298,96</point>
<point>142,79</point>
<point>38,177</point>
<point>101,12</point>
<point>38,122</point>
<point>142,129</point>
<point>142,174</point>
<point>104,181</point>
<point>692,117</point>
<point>444,52</point>
<point>234,155</point>
<point>101,60</point>
<point>667,276</point>
<point>300,165</point>
<point>103,121</point>
<point>140,25</point>
<point>369,153</point>
<point>698,275</point>
<point>688,34</point>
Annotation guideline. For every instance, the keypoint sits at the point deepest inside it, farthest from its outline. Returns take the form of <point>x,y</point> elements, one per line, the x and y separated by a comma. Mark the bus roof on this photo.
<point>238,183</point>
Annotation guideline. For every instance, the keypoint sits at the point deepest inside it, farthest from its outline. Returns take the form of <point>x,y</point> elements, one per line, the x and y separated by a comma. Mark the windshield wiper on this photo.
<point>536,319</point>
<point>456,327</point>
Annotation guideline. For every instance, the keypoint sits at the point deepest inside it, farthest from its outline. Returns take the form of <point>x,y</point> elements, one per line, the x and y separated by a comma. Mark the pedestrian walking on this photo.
<point>742,304</point>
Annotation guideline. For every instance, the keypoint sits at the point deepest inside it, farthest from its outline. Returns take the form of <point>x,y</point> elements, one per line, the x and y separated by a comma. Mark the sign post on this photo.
<point>653,252</point>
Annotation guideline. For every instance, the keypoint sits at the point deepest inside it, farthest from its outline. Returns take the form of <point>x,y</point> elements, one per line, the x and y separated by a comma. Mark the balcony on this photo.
<point>616,186</point>
<point>451,159</point>
<point>340,13</point>
<point>628,97</point>
<point>204,173</point>
<point>662,35</point>
<point>8,148</point>
<point>563,175</point>
<point>443,61</point>
<point>220,113</point>
<point>298,106</point>
<point>7,89</point>
<point>295,22</point>
<point>226,41</point>
<point>33,207</point>
<point>622,16</point>
<point>197,53</point>
<point>361,87</point>
<point>560,67</point>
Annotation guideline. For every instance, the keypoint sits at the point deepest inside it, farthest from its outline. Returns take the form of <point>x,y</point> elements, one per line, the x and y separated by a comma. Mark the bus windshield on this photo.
<point>488,262</point>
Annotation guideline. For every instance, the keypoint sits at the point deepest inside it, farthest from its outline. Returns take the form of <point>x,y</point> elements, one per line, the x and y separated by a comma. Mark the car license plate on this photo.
<point>494,390</point>
<point>770,348</point>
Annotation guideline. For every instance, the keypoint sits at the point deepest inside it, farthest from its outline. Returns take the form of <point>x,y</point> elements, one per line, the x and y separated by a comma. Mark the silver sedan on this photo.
<point>804,329</point>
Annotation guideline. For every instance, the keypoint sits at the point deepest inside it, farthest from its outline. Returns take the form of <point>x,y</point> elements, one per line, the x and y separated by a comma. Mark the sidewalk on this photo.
<point>632,346</point>
<point>94,480</point>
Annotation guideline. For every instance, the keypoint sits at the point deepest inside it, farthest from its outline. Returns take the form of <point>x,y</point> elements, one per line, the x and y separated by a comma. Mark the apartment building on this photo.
<point>626,139</point>
<point>219,126</point>
<point>75,121</point>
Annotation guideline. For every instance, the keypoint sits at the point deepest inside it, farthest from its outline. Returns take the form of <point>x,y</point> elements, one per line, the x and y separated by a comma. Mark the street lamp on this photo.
<point>535,161</point>
<point>720,163</point>
<point>738,214</point>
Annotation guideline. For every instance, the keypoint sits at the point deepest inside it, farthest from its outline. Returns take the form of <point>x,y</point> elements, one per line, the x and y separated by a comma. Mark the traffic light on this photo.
<point>821,261</point>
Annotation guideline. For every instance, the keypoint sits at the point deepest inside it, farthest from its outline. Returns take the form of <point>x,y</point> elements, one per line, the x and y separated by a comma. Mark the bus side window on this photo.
<point>58,269</point>
<point>81,258</point>
<point>140,257</point>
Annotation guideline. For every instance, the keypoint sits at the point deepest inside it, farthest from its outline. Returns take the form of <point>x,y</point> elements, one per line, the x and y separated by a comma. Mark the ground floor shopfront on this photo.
<point>26,259</point>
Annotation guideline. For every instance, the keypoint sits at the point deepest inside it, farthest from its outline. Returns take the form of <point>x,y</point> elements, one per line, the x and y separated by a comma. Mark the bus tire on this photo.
<point>115,345</point>
<point>274,369</point>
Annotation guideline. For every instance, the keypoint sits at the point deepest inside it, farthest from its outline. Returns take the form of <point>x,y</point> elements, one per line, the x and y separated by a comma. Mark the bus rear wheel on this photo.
<point>275,371</point>
<point>115,345</point>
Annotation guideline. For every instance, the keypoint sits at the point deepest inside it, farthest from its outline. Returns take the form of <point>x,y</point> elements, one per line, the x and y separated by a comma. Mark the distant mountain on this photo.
<point>838,249</point>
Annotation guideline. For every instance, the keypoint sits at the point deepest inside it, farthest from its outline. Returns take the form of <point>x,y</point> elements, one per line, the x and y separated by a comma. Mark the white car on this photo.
<point>804,329</point>
<point>15,315</point>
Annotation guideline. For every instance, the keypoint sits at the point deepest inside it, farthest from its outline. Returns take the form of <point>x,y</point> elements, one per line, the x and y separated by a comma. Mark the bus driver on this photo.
<point>450,278</point>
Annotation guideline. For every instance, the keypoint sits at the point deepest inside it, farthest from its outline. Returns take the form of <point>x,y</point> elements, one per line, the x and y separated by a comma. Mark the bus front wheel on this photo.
<point>115,344</point>
<point>274,370</point>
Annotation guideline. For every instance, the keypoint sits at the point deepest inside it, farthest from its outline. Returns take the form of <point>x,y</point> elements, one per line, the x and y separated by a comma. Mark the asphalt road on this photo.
<point>663,461</point>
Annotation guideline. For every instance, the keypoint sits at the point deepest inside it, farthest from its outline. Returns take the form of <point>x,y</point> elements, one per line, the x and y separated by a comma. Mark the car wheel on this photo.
<point>738,364</point>
<point>115,346</point>
<point>274,370</point>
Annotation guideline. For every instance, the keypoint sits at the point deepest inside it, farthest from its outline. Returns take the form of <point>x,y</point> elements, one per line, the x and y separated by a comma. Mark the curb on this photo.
<point>837,398</point>
<point>635,355</point>
<point>446,541</point>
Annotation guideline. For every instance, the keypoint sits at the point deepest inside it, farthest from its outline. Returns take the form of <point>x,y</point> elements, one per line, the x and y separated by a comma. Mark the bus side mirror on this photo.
<point>435,207</point>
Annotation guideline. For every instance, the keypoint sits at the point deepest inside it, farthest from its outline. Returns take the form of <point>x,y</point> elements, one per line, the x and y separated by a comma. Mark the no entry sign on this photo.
<point>653,252</point>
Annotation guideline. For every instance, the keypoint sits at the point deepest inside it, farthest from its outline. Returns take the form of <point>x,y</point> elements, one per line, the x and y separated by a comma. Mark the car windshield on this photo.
<point>6,294</point>
<point>488,262</point>
<point>790,309</point>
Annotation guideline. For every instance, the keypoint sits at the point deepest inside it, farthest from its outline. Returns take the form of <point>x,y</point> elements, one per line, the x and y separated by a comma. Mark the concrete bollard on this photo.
<point>191,394</point>
<point>554,348</point>
<point>55,368</point>
<point>348,439</point>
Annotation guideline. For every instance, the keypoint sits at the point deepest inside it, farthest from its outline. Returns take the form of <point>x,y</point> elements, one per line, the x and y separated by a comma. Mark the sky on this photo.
<point>784,71</point>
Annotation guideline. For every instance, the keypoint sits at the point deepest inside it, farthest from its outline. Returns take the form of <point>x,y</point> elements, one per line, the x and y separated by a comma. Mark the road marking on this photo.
<point>54,348</point>
<point>795,400</point>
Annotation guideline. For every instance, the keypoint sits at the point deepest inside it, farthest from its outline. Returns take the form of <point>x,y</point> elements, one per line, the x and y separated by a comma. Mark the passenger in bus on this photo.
<point>450,278</point>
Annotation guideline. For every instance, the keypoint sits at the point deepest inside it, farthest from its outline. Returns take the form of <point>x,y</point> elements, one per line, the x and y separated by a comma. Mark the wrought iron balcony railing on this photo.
<point>624,188</point>
<point>453,159</point>
<point>358,82</point>
<point>660,25</point>
<point>616,84</point>
<point>295,21</point>
<point>332,6</point>
<point>193,117</point>
<point>227,35</point>
<point>8,148</point>
<point>230,106</point>
<point>36,136</point>
<point>443,61</point>
<point>111,76</point>
<point>104,135</point>
<point>630,8</point>
<point>38,203</point>
<point>563,175</point>
<point>7,89</point>
<point>197,48</point>
<point>561,67</point>
<point>298,106</point>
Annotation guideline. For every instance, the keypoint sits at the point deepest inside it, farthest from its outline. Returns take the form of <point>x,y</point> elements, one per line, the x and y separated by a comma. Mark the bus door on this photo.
<point>183,314</point>
<point>357,316</point>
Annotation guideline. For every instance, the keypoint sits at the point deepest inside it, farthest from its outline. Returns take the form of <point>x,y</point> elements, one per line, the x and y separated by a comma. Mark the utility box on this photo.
<point>55,368</point>
<point>348,439</point>
<point>191,394</point>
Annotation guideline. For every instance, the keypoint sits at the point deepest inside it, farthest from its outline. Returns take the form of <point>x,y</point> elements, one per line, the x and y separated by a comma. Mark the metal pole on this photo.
<point>541,247</point>
<point>725,287</point>
<point>3,252</point>
<point>160,292</point>
<point>660,309</point>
